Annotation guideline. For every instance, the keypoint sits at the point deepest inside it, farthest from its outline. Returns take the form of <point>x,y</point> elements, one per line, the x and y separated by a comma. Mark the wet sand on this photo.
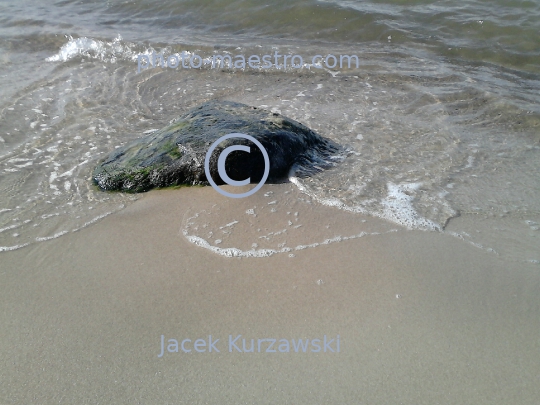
<point>423,318</point>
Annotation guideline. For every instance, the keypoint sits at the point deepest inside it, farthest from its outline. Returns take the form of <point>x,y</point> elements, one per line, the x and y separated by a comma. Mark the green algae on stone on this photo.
<point>174,155</point>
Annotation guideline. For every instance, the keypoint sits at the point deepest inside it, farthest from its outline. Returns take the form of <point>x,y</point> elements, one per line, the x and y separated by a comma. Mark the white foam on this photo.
<point>228,225</point>
<point>235,252</point>
<point>231,252</point>
<point>56,235</point>
<point>96,49</point>
<point>7,228</point>
<point>70,172</point>
<point>96,219</point>
<point>398,207</point>
<point>462,236</point>
<point>9,248</point>
<point>330,202</point>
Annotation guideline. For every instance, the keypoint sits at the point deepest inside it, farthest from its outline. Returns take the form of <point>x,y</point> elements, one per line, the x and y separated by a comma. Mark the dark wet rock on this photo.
<point>175,155</point>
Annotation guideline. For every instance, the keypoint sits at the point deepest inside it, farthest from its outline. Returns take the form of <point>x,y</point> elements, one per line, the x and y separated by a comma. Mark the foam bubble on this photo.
<point>398,207</point>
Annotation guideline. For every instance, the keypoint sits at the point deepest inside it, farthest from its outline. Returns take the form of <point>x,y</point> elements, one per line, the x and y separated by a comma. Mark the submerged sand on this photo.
<point>423,318</point>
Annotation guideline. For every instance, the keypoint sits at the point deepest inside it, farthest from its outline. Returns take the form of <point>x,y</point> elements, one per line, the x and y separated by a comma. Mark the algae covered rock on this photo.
<point>175,155</point>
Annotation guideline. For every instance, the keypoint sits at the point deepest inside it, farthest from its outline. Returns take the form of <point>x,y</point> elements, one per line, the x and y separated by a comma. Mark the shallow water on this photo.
<point>440,120</point>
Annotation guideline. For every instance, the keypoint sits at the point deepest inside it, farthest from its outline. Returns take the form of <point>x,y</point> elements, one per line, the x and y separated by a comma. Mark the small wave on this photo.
<point>396,207</point>
<point>105,51</point>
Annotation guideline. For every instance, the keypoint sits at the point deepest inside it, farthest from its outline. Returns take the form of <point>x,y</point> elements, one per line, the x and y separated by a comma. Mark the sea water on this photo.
<point>439,122</point>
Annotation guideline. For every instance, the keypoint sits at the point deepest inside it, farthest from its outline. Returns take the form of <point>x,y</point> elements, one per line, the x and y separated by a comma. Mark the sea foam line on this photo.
<point>397,206</point>
<point>235,252</point>
<point>9,248</point>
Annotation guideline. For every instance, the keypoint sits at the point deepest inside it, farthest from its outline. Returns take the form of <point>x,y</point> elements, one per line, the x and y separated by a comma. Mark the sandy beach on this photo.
<point>422,317</point>
<point>391,257</point>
